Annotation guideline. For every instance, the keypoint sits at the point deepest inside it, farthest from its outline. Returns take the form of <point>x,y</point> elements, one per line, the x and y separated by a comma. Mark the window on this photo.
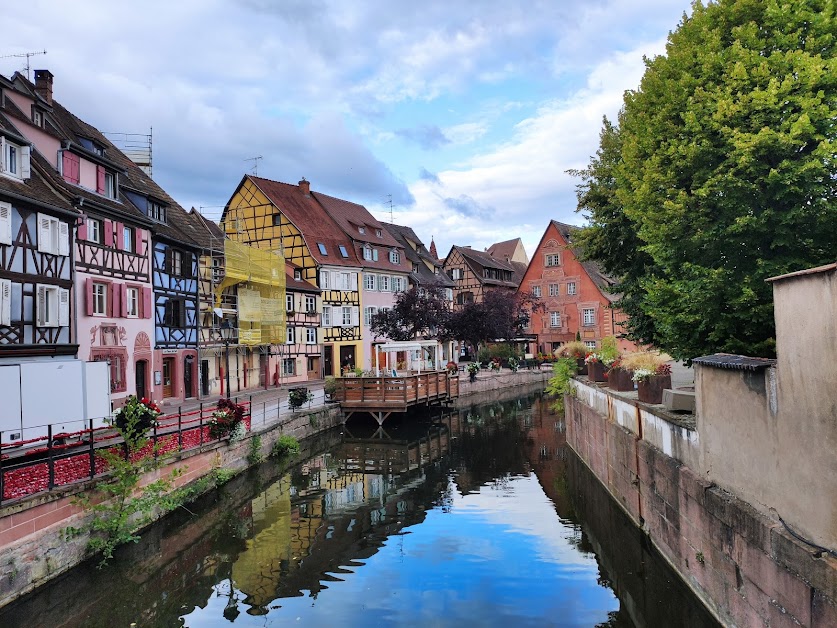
<point>100,299</point>
<point>374,255</point>
<point>175,262</point>
<point>379,233</point>
<point>361,229</point>
<point>383,283</point>
<point>348,281</point>
<point>590,344</point>
<point>347,316</point>
<point>588,316</point>
<point>53,309</point>
<point>174,314</point>
<point>128,239</point>
<point>277,220</point>
<point>553,259</point>
<point>310,336</point>
<point>326,316</point>
<point>324,280</point>
<point>5,302</point>
<point>369,281</point>
<point>37,118</point>
<point>217,269</point>
<point>132,302</point>
<point>343,250</point>
<point>554,319</point>
<point>289,303</point>
<point>394,257</point>
<point>310,305</point>
<point>156,211</point>
<point>322,248</point>
<point>456,273</point>
<point>449,294</point>
<point>536,290</point>
<point>554,290</point>
<point>14,159</point>
<point>290,335</point>
<point>367,253</point>
<point>110,185</point>
<point>368,313</point>
<point>571,289</point>
<point>397,284</point>
<point>289,366</point>
<point>297,274</point>
<point>53,235</point>
<point>94,230</point>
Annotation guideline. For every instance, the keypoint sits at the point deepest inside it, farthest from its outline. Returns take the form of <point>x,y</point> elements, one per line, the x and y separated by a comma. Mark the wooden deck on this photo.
<point>381,396</point>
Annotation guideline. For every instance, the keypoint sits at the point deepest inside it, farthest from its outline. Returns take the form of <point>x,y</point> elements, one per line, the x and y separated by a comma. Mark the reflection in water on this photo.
<point>479,517</point>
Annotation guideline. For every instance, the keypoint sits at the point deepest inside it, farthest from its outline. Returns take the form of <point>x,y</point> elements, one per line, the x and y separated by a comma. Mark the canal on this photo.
<point>481,516</point>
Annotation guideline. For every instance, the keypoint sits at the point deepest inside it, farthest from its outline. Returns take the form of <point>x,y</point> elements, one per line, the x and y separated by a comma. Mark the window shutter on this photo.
<point>44,239</point>
<point>374,255</point>
<point>138,244</point>
<point>63,238</point>
<point>326,316</point>
<point>81,230</point>
<point>355,316</point>
<point>88,296</point>
<point>25,159</point>
<point>2,154</point>
<point>146,302</point>
<point>5,302</point>
<point>108,233</point>
<point>63,307</point>
<point>112,300</point>
<point>5,223</point>
<point>353,281</point>
<point>123,299</point>
<point>100,179</point>
<point>41,314</point>
<point>120,236</point>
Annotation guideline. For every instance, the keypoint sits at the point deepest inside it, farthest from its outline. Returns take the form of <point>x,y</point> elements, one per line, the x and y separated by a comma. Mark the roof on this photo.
<point>311,219</point>
<point>299,285</point>
<point>207,233</point>
<point>507,250</point>
<point>603,281</point>
<point>479,260</point>
<point>807,271</point>
<point>350,216</point>
<point>418,255</point>
<point>734,362</point>
<point>64,125</point>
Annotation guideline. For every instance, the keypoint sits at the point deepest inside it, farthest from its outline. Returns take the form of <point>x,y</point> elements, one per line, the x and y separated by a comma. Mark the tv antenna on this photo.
<point>28,55</point>
<point>389,200</point>
<point>255,161</point>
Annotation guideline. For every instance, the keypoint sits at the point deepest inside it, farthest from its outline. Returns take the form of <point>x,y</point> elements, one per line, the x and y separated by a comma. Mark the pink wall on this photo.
<point>373,298</point>
<point>87,173</point>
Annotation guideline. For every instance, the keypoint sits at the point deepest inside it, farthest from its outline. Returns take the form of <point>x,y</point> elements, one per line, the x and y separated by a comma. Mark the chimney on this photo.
<point>305,186</point>
<point>43,85</point>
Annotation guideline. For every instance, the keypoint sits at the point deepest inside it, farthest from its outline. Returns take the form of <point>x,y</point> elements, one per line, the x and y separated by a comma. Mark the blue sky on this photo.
<point>467,114</point>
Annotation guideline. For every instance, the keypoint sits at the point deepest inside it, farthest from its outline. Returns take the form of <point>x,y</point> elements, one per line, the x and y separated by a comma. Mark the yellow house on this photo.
<point>288,219</point>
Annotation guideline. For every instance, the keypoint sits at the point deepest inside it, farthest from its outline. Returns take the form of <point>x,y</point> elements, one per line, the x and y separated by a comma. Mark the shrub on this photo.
<point>574,349</point>
<point>563,371</point>
<point>285,445</point>
<point>254,456</point>
<point>297,397</point>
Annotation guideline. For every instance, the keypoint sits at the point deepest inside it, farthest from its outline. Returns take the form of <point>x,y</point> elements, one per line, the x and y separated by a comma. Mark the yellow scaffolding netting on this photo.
<point>261,292</point>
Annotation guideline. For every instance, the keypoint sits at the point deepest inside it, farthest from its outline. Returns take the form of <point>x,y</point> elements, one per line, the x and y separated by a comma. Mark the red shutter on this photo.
<point>146,302</point>
<point>88,292</point>
<point>113,302</point>
<point>70,167</point>
<point>138,245</point>
<point>81,231</point>
<point>108,233</point>
<point>123,299</point>
<point>120,236</point>
<point>100,179</point>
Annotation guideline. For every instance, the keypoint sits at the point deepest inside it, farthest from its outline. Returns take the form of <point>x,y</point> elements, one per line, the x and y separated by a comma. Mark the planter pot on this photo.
<point>620,379</point>
<point>145,422</point>
<point>472,377</point>
<point>651,389</point>
<point>582,366</point>
<point>596,372</point>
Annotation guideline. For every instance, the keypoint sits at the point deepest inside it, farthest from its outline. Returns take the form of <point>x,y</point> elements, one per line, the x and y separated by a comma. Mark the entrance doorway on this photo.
<point>168,374</point>
<point>188,376</point>
<point>204,377</point>
<point>328,360</point>
<point>347,358</point>
<point>140,372</point>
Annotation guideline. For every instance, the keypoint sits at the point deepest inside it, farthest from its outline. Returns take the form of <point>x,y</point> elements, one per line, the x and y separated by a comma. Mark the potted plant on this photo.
<point>297,397</point>
<point>136,417</point>
<point>619,378</point>
<point>576,350</point>
<point>596,369</point>
<point>651,373</point>
<point>473,368</point>
<point>514,364</point>
<point>494,365</point>
<point>452,368</point>
<point>227,420</point>
<point>330,388</point>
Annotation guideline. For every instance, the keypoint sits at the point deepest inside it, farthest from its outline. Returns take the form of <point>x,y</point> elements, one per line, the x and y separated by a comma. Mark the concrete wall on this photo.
<point>770,436</point>
<point>742,563</point>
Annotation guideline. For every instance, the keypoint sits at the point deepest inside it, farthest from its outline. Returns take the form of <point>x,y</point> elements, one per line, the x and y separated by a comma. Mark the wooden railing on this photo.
<point>401,391</point>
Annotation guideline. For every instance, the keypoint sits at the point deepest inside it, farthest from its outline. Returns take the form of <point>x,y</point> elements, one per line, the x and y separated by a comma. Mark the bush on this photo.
<point>285,445</point>
<point>563,371</point>
<point>297,397</point>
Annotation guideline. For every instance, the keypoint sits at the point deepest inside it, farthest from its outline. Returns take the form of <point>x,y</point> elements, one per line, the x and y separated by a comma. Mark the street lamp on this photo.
<point>226,337</point>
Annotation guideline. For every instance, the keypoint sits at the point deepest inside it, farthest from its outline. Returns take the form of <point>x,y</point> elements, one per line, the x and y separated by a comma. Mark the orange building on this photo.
<point>575,294</point>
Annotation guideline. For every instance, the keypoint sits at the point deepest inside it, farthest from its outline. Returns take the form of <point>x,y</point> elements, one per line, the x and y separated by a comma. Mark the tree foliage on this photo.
<point>501,314</point>
<point>417,312</point>
<point>721,173</point>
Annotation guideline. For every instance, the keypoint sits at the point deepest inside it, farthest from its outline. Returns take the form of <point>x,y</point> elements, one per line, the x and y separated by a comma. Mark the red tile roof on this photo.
<point>300,285</point>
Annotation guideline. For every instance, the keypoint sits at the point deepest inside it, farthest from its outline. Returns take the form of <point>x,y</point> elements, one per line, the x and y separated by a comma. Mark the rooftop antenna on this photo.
<point>27,55</point>
<point>255,161</point>
<point>389,200</point>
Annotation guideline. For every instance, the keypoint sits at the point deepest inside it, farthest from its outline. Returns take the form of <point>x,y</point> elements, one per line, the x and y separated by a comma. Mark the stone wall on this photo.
<point>32,540</point>
<point>742,563</point>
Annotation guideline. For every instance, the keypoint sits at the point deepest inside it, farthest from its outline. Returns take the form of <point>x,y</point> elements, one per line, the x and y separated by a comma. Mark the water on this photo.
<point>481,517</point>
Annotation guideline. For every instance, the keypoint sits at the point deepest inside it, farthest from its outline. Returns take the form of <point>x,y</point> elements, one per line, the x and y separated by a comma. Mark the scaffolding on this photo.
<point>136,147</point>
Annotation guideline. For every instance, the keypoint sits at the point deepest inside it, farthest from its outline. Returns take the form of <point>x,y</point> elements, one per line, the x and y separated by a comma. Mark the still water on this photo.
<point>477,517</point>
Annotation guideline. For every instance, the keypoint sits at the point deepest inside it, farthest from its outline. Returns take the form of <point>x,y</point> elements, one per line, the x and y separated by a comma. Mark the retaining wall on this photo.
<point>744,564</point>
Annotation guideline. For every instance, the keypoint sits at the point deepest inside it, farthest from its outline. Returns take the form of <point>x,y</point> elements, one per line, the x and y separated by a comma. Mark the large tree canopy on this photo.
<point>501,314</point>
<point>721,173</point>
<point>417,312</point>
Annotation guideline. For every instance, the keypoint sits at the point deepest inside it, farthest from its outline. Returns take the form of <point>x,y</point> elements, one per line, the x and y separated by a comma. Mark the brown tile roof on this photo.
<point>300,285</point>
<point>603,281</point>
<point>478,260</point>
<point>313,222</point>
<point>418,255</point>
<point>207,232</point>
<point>504,250</point>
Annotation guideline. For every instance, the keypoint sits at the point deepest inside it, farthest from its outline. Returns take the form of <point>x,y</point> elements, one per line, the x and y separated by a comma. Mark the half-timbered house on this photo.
<point>302,353</point>
<point>287,218</point>
<point>473,272</point>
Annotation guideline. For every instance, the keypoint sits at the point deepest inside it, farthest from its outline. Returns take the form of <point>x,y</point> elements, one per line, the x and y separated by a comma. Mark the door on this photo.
<point>263,366</point>
<point>313,368</point>
<point>141,369</point>
<point>328,360</point>
<point>188,373</point>
<point>347,358</point>
<point>204,377</point>
<point>168,373</point>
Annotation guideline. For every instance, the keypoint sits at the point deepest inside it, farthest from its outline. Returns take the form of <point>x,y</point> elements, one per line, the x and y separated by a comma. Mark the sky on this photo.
<point>456,118</point>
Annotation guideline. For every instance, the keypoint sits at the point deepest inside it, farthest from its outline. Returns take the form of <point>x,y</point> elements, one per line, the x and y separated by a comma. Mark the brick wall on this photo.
<point>744,565</point>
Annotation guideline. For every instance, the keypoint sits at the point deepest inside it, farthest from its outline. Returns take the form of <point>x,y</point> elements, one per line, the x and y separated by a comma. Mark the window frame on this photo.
<point>310,304</point>
<point>370,281</point>
<point>555,290</point>
<point>101,295</point>
<point>322,249</point>
<point>345,309</point>
<point>95,230</point>
<point>129,235</point>
<point>550,257</point>
<point>343,252</point>
<point>572,288</point>
<point>394,256</point>
<point>384,283</point>
<point>290,335</point>
<point>289,302</point>
<point>588,321</point>
<point>536,291</point>
<point>129,290</point>
<point>310,335</point>
<point>555,319</point>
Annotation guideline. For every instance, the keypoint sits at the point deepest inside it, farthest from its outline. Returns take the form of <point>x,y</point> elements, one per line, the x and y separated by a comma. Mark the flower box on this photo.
<point>582,366</point>
<point>650,390</point>
<point>619,379</point>
<point>596,372</point>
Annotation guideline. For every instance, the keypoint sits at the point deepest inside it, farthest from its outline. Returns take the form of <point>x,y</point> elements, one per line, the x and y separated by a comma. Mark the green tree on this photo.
<point>417,312</point>
<point>725,173</point>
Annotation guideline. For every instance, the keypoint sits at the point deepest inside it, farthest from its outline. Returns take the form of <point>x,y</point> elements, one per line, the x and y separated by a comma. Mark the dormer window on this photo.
<point>14,159</point>
<point>361,229</point>
<point>321,247</point>
<point>367,253</point>
<point>379,233</point>
<point>298,274</point>
<point>37,118</point>
<point>394,257</point>
<point>105,182</point>
<point>156,211</point>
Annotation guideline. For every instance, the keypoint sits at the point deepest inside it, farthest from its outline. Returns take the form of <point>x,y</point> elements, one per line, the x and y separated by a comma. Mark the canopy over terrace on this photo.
<point>416,351</point>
